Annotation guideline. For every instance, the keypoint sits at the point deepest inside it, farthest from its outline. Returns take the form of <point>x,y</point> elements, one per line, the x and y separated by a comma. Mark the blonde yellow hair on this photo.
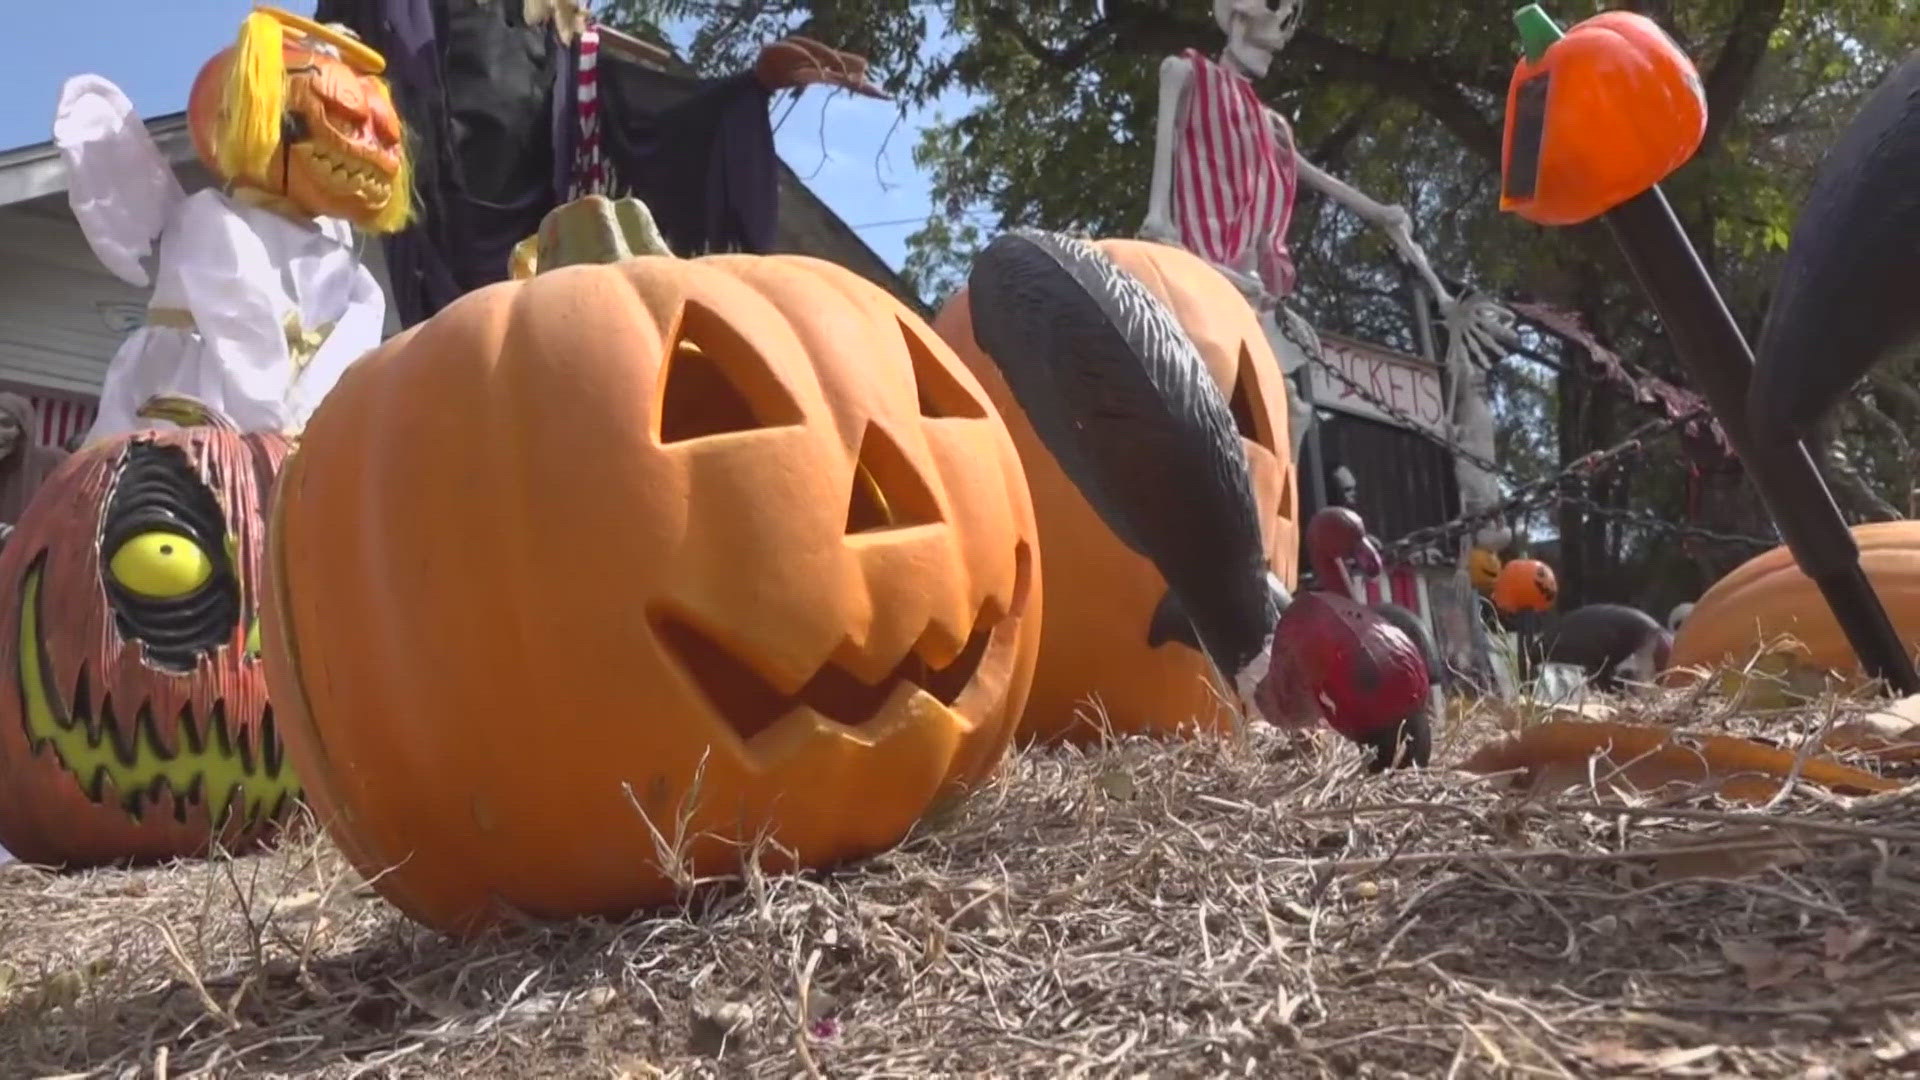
<point>253,99</point>
<point>398,212</point>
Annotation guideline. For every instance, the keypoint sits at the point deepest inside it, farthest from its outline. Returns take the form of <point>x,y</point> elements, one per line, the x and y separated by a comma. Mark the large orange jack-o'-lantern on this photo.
<point>134,721</point>
<point>298,110</point>
<point>713,547</point>
<point>1111,633</point>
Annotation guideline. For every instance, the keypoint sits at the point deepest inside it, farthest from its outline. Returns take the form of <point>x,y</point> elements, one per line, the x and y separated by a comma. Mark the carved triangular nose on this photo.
<point>887,491</point>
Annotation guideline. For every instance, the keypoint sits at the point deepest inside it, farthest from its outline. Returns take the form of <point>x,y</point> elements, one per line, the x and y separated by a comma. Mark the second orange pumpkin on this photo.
<point>1769,596</point>
<point>1096,642</point>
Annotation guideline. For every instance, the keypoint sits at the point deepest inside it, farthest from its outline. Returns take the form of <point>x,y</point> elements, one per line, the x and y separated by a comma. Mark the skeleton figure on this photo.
<point>1224,175</point>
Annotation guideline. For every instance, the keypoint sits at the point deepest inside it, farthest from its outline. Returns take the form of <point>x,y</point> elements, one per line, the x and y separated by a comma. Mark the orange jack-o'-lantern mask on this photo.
<point>744,549</point>
<point>134,721</point>
<point>1525,585</point>
<point>1601,115</point>
<point>1112,635</point>
<point>1483,569</point>
<point>299,111</point>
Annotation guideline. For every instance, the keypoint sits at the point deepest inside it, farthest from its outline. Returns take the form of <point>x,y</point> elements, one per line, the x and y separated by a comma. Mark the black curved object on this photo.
<point>1407,743</point>
<point>1410,625</point>
<point>1410,741</point>
<point>158,487</point>
<point>1710,345</point>
<point>1598,638</point>
<point>1848,296</point>
<point>1119,396</point>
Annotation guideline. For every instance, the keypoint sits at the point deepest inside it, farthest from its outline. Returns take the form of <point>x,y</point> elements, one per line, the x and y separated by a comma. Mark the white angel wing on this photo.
<point>118,183</point>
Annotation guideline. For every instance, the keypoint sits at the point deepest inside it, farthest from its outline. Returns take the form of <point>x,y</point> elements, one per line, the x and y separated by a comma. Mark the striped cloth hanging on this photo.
<point>59,419</point>
<point>1399,585</point>
<point>1234,175</point>
<point>589,163</point>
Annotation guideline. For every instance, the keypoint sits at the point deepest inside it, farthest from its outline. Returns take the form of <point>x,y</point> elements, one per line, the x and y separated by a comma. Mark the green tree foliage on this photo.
<point>1403,99</point>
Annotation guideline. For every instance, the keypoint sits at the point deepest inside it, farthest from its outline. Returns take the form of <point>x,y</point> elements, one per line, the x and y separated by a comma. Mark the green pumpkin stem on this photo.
<point>184,410</point>
<point>593,229</point>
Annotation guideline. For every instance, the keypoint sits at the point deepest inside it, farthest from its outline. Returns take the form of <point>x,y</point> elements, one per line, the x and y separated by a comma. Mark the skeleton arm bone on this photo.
<point>1392,220</point>
<point>1478,325</point>
<point>1175,75</point>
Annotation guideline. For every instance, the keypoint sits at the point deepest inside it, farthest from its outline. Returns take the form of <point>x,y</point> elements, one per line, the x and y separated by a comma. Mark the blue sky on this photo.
<point>838,143</point>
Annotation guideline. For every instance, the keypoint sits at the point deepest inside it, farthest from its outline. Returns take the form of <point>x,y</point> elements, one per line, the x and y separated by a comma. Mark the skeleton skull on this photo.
<point>1255,32</point>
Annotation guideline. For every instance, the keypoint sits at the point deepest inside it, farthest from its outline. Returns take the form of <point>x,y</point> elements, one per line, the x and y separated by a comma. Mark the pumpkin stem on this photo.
<point>1537,31</point>
<point>185,411</point>
<point>592,229</point>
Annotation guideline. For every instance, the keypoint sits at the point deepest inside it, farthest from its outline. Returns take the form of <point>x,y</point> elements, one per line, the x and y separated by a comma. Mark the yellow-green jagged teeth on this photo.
<point>92,759</point>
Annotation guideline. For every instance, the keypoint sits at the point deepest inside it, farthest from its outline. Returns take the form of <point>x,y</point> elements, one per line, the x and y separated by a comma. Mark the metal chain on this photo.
<point>1661,525</point>
<point>1537,493</point>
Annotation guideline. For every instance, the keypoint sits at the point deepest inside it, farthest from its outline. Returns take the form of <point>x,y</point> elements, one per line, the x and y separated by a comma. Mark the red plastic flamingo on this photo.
<point>1345,661</point>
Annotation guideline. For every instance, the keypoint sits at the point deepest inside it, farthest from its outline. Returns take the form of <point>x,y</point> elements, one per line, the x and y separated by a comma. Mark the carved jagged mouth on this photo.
<point>751,704</point>
<point>212,767</point>
<point>347,173</point>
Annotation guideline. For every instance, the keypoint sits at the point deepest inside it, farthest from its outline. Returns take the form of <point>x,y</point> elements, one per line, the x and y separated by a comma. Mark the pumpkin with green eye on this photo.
<point>134,720</point>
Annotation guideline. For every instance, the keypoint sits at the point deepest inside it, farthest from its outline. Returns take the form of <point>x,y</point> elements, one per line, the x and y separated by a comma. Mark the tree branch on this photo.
<point>1070,58</point>
<point>1140,28</point>
<point>1889,381</point>
<point>1848,483</point>
<point>1739,61</point>
<point>1331,152</point>
<point>1441,96</point>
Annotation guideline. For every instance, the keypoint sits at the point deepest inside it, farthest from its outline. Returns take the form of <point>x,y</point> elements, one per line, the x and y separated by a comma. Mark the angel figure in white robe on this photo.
<point>260,298</point>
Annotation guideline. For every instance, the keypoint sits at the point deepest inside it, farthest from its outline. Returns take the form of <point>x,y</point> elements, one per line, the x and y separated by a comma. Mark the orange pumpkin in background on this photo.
<point>1769,596</point>
<point>1525,585</point>
<point>1483,569</point>
<point>1102,638</point>
<point>717,547</point>
<point>1606,112</point>
<point>134,718</point>
<point>299,111</point>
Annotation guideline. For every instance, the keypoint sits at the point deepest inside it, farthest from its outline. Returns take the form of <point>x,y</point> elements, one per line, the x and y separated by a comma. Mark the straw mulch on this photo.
<point>1233,906</point>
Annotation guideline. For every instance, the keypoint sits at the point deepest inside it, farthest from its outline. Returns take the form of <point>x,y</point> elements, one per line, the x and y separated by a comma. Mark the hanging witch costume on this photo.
<point>517,108</point>
<point>260,298</point>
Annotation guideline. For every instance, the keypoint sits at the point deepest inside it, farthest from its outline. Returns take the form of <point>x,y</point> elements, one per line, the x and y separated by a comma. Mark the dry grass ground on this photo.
<point>1240,906</point>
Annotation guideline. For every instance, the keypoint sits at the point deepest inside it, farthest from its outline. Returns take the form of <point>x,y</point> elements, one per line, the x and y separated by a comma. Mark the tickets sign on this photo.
<point>1408,384</point>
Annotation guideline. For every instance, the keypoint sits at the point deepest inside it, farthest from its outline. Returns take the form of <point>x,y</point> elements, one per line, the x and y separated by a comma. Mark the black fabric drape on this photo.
<point>474,85</point>
<point>704,163</point>
<point>490,104</point>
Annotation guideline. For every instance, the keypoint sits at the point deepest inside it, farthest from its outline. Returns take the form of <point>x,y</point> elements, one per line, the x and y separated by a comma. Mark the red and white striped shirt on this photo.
<point>1234,176</point>
<point>59,419</point>
<point>1400,584</point>
<point>589,163</point>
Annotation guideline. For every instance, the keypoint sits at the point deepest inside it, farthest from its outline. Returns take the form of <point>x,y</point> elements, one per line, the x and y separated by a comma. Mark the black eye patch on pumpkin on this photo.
<point>1529,136</point>
<point>158,491</point>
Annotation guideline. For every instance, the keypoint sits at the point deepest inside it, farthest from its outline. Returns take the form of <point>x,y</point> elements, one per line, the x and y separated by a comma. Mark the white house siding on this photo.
<point>58,305</point>
<point>62,314</point>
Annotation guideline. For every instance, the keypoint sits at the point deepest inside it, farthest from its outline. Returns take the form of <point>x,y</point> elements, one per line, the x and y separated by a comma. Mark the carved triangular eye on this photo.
<point>715,382</point>
<point>1284,514</point>
<point>941,394</point>
<point>887,492</point>
<point>1244,402</point>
